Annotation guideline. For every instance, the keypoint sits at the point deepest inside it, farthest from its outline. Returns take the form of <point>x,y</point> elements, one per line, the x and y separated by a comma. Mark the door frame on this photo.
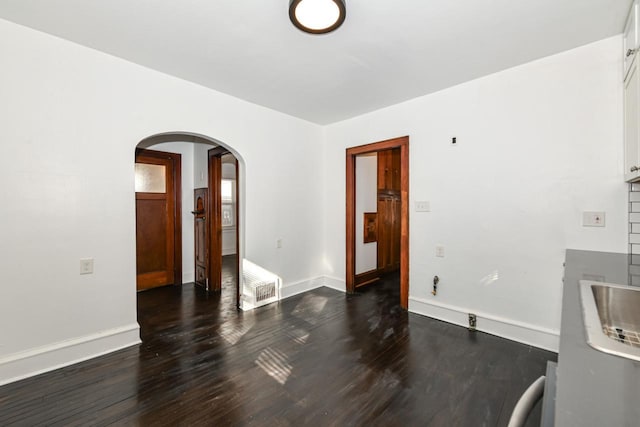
<point>214,162</point>
<point>351,153</point>
<point>176,160</point>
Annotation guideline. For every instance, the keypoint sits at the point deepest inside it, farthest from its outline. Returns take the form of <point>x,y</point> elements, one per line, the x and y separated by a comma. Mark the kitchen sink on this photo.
<point>612,317</point>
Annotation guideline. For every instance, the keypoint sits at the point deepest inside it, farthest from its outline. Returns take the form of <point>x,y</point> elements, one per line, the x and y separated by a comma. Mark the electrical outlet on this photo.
<point>86,266</point>
<point>593,219</point>
<point>472,322</point>
<point>440,251</point>
<point>279,243</point>
<point>423,207</point>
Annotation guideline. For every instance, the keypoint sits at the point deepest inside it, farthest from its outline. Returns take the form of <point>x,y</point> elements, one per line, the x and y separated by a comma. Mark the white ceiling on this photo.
<point>386,52</point>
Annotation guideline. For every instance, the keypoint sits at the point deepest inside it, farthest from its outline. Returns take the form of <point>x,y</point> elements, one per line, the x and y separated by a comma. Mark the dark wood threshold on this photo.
<point>367,277</point>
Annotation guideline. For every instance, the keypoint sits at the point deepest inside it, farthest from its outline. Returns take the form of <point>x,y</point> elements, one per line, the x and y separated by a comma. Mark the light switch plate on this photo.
<point>423,207</point>
<point>593,219</point>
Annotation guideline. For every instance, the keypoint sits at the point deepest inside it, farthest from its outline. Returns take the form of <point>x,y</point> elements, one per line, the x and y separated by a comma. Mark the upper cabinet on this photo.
<point>631,97</point>
<point>630,40</point>
<point>631,123</point>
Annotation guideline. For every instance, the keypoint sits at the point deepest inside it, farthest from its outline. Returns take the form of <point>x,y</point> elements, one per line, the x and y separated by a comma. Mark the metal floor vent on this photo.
<point>260,286</point>
<point>264,291</point>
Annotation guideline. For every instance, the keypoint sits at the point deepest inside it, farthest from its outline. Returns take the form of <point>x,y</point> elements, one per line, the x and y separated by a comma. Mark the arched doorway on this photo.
<point>204,217</point>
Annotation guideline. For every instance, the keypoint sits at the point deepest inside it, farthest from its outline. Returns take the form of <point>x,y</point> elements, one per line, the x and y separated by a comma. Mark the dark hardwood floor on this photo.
<point>321,358</point>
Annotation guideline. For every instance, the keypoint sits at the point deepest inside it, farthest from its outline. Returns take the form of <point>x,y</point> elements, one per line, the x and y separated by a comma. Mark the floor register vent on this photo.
<point>260,287</point>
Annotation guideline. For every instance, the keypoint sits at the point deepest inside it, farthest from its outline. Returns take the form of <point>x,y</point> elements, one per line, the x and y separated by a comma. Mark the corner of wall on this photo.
<point>310,284</point>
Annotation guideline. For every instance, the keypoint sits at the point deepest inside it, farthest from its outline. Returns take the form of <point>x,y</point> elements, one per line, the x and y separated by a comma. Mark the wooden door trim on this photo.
<point>237,219</point>
<point>215,225</point>
<point>176,159</point>
<point>214,163</point>
<point>403,144</point>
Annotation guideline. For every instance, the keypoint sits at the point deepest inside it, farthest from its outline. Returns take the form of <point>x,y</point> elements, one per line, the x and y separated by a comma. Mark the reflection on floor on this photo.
<point>321,358</point>
<point>229,280</point>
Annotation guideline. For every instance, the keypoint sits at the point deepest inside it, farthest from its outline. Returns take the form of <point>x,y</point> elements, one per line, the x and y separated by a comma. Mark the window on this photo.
<point>227,190</point>
<point>150,178</point>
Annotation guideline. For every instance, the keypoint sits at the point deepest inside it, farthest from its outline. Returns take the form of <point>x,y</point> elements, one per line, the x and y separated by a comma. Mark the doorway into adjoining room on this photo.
<point>377,215</point>
<point>188,217</point>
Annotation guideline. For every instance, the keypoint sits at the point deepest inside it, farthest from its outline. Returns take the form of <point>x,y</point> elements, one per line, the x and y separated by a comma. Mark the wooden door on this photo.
<point>389,213</point>
<point>389,210</point>
<point>215,218</point>
<point>158,232</point>
<point>214,222</point>
<point>201,234</point>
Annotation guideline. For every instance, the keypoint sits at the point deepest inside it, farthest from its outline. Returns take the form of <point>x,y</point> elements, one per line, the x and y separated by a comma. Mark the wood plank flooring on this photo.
<point>321,358</point>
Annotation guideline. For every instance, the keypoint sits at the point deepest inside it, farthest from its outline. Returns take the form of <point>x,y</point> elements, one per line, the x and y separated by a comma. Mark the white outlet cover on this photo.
<point>440,251</point>
<point>423,206</point>
<point>593,219</point>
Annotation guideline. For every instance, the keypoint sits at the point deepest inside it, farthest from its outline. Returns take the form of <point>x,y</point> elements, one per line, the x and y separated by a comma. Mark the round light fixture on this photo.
<point>317,16</point>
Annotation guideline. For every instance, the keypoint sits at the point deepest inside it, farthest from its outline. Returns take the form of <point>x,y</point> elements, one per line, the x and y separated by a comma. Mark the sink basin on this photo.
<point>612,317</point>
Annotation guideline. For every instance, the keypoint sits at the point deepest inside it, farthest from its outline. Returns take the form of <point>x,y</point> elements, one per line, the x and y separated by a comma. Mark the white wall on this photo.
<point>366,201</point>
<point>537,145</point>
<point>71,118</point>
<point>200,165</point>
<point>185,149</point>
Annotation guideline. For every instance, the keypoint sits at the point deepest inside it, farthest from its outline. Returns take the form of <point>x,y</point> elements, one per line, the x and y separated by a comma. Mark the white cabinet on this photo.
<point>631,96</point>
<point>630,37</point>
<point>632,123</point>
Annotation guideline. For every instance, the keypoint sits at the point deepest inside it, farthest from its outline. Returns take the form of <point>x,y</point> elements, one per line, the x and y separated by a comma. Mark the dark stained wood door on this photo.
<point>389,210</point>
<point>158,233</point>
<point>214,222</point>
<point>215,216</point>
<point>201,234</point>
<point>389,170</point>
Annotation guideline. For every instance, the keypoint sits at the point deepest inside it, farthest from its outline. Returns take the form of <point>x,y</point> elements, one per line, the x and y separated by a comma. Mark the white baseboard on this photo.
<point>296,288</point>
<point>525,333</point>
<point>291,289</point>
<point>335,283</point>
<point>188,276</point>
<point>33,362</point>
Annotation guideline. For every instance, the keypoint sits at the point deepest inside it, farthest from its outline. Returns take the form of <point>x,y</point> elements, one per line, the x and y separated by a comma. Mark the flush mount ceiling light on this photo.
<point>317,16</point>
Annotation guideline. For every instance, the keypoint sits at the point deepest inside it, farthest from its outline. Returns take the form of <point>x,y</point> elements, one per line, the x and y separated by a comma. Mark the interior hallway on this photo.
<point>321,358</point>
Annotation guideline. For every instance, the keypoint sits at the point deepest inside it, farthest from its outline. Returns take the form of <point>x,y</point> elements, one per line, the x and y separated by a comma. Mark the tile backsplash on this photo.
<point>634,234</point>
<point>634,218</point>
